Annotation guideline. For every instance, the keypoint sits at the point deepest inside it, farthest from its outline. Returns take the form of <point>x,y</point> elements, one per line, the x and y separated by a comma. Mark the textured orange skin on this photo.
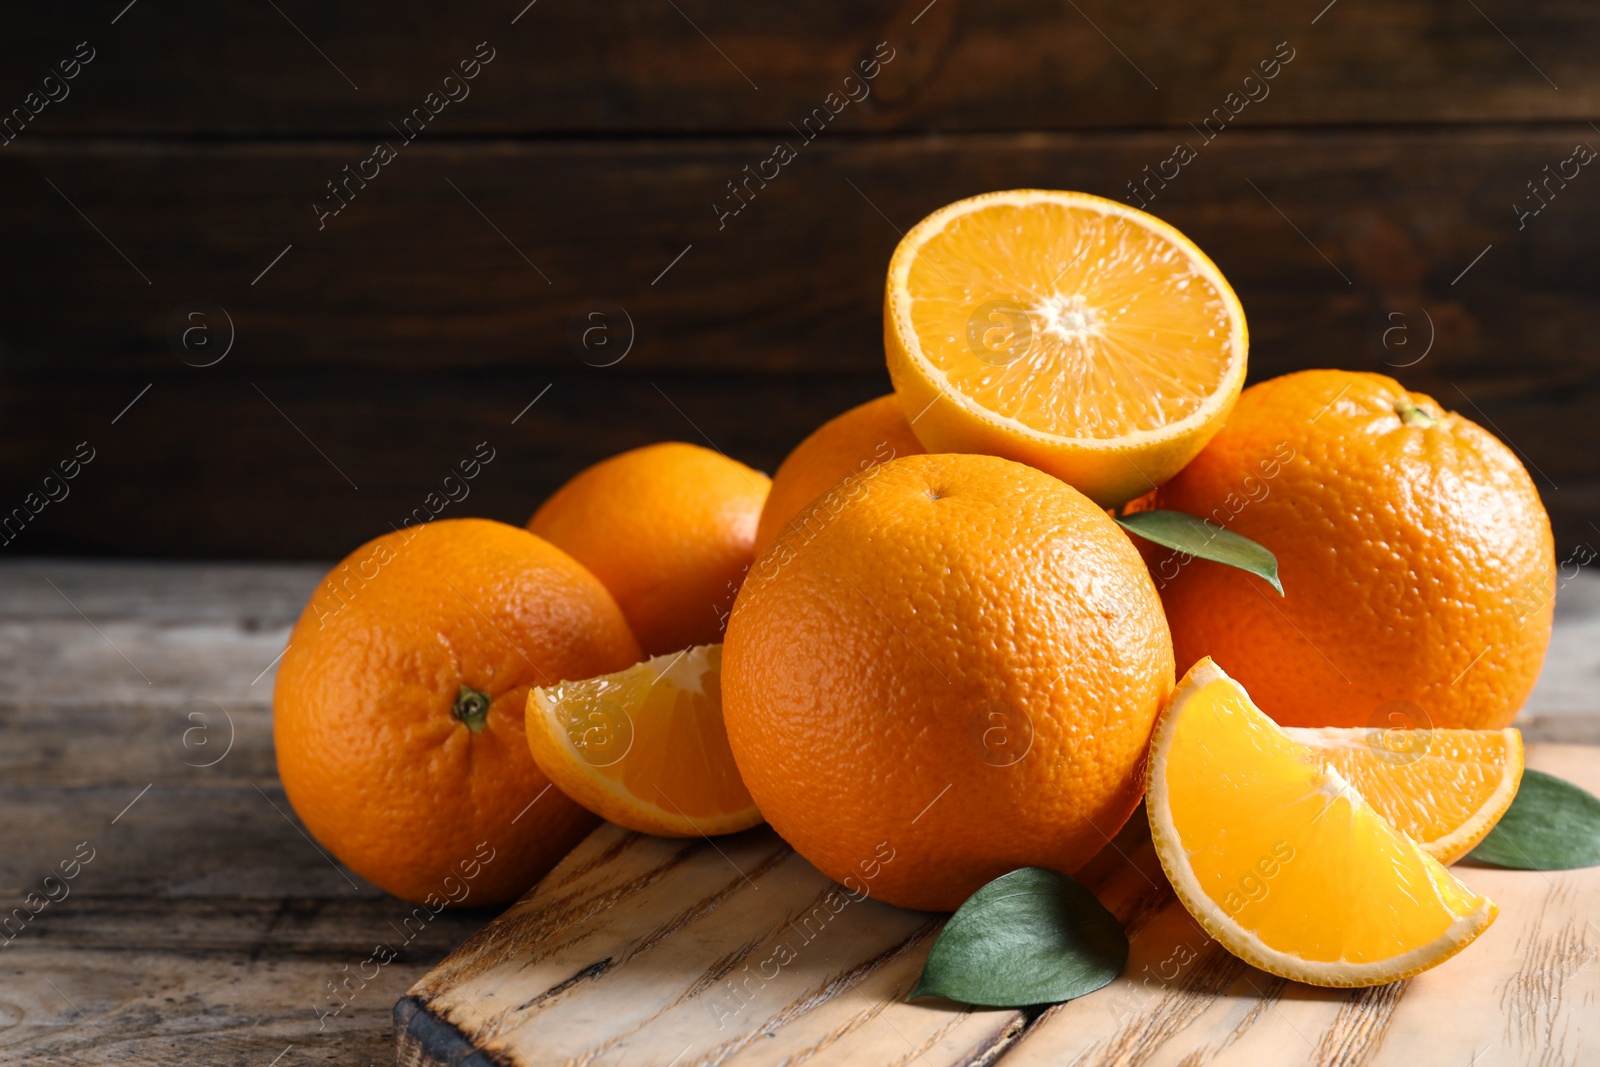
<point>1404,551</point>
<point>867,649</point>
<point>669,529</point>
<point>852,443</point>
<point>371,755</point>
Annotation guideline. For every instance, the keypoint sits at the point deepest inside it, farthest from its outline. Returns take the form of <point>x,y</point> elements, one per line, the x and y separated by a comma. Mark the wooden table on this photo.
<point>207,928</point>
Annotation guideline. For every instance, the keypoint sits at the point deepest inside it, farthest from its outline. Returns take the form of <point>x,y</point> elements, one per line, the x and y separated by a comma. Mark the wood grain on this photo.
<point>378,351</point>
<point>410,277</point>
<point>639,950</point>
<point>207,466</point>
<point>702,65</point>
<point>206,929</point>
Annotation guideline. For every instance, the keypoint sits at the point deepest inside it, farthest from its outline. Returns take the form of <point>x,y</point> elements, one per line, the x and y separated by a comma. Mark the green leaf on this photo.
<point>1204,539</point>
<point>1029,937</point>
<point>1552,825</point>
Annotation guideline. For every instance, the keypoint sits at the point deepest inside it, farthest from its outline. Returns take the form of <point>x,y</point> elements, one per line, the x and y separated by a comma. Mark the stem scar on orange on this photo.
<point>1416,558</point>
<point>398,712</point>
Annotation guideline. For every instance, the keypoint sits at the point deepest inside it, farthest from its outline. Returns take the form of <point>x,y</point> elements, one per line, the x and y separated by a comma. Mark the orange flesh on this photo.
<point>1281,842</point>
<point>1095,326</point>
<point>658,736</point>
<point>1426,783</point>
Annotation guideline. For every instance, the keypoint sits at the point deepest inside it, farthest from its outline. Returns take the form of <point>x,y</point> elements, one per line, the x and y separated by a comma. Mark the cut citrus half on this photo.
<point>1444,789</point>
<point>645,747</point>
<point>1277,855</point>
<point>1062,330</point>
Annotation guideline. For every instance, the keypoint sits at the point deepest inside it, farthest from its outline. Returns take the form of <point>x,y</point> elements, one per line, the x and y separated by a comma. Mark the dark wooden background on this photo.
<point>377,352</point>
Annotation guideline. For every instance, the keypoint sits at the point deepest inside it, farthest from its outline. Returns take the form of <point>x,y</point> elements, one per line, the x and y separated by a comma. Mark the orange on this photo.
<point>1444,789</point>
<point>645,747</point>
<point>1073,333</point>
<point>669,529</point>
<point>398,709</point>
<point>852,445</point>
<point>1281,858</point>
<point>948,677</point>
<point>1417,564</point>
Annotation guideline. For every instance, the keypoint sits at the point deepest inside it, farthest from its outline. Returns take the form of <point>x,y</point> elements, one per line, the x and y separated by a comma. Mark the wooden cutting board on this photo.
<point>648,951</point>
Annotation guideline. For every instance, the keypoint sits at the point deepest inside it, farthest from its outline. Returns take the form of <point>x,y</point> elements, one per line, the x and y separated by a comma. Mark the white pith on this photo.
<point>1452,845</point>
<point>681,670</point>
<point>1235,937</point>
<point>1066,316</point>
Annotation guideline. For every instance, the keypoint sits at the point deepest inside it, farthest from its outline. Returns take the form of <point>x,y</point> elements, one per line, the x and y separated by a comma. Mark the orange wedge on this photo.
<point>645,747</point>
<point>1444,789</point>
<point>1062,330</point>
<point>1278,856</point>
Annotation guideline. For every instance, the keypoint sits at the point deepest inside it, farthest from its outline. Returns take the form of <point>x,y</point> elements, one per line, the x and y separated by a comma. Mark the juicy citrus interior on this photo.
<point>1279,857</point>
<point>1127,331</point>
<point>1065,322</point>
<point>645,747</point>
<point>1444,789</point>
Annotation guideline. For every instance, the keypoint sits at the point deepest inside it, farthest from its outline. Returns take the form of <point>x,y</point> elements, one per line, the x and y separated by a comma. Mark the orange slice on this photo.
<point>1062,330</point>
<point>645,747</point>
<point>1280,858</point>
<point>1444,789</point>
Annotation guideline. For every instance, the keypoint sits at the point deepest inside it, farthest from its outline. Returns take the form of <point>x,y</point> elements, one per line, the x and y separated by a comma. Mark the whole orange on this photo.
<point>954,675</point>
<point>1416,559</point>
<point>398,713</point>
<point>850,445</point>
<point>669,529</point>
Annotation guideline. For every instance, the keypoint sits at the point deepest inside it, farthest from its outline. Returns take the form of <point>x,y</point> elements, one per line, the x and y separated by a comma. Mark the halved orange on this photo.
<point>1062,330</point>
<point>1278,856</point>
<point>1444,789</point>
<point>645,747</point>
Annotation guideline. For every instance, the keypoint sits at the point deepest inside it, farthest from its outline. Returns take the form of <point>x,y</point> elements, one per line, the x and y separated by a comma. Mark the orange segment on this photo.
<point>1444,789</point>
<point>1280,858</point>
<point>645,747</point>
<point>1066,331</point>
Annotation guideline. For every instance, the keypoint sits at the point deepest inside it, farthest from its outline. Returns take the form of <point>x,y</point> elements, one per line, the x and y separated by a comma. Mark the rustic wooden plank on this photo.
<point>173,639</point>
<point>252,493</point>
<point>409,329</point>
<point>130,982</point>
<point>793,283</point>
<point>185,741</point>
<point>639,949</point>
<point>203,927</point>
<point>188,67</point>
<point>214,604</point>
<point>233,840</point>
<point>1526,986</point>
<point>413,429</point>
